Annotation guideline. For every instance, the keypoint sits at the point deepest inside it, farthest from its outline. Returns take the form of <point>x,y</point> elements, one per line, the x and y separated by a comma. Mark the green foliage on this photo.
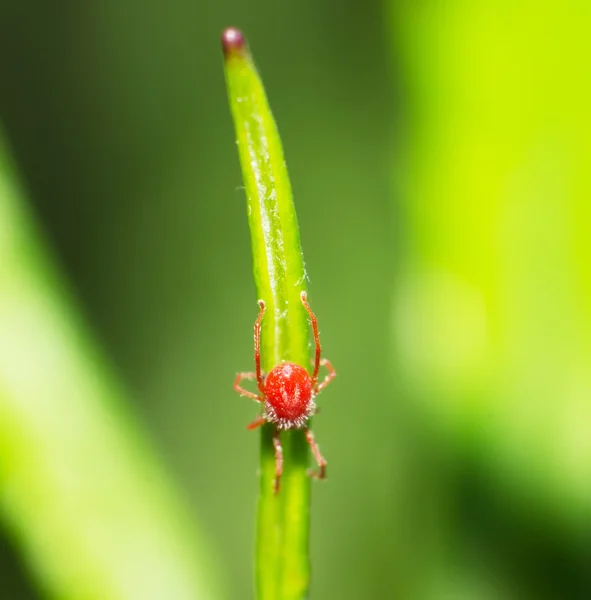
<point>493,309</point>
<point>95,515</point>
<point>282,569</point>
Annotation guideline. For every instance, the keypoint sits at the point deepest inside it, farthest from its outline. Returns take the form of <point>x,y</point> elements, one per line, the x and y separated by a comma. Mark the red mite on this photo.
<point>287,394</point>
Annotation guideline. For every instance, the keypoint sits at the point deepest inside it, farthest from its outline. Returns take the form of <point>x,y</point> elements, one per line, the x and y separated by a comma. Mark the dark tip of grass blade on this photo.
<point>233,41</point>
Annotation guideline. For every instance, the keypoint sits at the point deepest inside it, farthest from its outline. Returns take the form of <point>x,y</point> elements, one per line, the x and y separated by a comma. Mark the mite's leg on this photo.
<point>331,375</point>
<point>257,347</point>
<point>321,473</point>
<point>304,298</point>
<point>256,423</point>
<point>242,391</point>
<point>278,460</point>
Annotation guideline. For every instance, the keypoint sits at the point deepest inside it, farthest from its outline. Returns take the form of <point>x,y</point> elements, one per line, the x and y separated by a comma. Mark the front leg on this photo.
<point>242,391</point>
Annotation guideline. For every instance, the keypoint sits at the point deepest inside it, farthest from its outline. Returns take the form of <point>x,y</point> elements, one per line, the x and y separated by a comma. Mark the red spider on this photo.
<point>287,393</point>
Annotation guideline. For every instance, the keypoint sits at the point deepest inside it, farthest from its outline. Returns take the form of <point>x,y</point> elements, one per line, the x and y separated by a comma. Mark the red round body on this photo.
<point>288,396</point>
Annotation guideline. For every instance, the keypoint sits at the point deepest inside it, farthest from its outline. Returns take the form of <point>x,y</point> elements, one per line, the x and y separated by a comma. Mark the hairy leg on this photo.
<point>320,460</point>
<point>242,391</point>
<point>331,375</point>
<point>304,298</point>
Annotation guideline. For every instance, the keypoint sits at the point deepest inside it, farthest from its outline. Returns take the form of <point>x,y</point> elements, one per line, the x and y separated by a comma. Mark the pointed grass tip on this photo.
<point>233,41</point>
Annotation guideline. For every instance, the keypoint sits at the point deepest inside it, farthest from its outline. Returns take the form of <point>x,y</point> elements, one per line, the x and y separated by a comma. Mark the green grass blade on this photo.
<point>90,507</point>
<point>282,564</point>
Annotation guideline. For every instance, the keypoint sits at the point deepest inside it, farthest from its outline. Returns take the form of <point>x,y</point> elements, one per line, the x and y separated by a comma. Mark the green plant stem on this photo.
<point>282,564</point>
<point>90,507</point>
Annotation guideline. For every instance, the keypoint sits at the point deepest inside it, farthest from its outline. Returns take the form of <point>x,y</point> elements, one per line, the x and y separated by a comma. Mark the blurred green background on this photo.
<point>439,155</point>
